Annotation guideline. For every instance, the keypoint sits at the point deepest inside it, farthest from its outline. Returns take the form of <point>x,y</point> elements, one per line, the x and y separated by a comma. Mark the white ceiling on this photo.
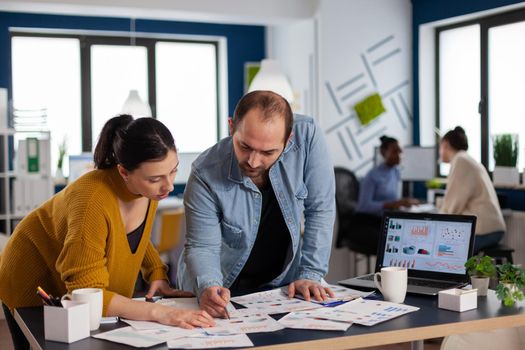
<point>261,12</point>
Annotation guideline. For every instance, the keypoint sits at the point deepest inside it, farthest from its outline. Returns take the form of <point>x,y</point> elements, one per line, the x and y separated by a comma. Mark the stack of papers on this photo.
<point>360,311</point>
<point>255,319</point>
<point>342,295</point>
<point>273,302</point>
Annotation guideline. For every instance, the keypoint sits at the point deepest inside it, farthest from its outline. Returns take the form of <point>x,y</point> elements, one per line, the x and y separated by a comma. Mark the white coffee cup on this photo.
<point>393,283</point>
<point>93,297</point>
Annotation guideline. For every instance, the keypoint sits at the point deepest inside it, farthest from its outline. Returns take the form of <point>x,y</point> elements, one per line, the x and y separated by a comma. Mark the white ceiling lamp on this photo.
<point>270,77</point>
<point>135,106</point>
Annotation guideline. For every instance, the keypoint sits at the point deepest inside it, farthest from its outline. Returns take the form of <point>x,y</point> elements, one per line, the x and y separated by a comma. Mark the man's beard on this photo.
<point>252,172</point>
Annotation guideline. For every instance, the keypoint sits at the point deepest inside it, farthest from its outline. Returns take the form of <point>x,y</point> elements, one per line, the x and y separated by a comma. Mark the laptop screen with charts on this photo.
<point>433,247</point>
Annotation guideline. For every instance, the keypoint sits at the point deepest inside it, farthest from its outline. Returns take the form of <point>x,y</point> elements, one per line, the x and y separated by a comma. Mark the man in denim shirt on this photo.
<point>244,201</point>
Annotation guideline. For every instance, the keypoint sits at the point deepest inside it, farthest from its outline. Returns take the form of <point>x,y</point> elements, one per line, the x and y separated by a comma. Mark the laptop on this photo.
<point>433,247</point>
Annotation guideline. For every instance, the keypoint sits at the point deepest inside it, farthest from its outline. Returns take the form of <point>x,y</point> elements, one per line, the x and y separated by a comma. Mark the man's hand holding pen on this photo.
<point>214,300</point>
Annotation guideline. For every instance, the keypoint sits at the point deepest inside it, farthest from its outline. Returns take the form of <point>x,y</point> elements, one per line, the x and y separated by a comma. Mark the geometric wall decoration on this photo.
<point>377,62</point>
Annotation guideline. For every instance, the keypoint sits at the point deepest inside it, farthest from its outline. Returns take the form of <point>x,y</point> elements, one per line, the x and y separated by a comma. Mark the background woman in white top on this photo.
<point>470,191</point>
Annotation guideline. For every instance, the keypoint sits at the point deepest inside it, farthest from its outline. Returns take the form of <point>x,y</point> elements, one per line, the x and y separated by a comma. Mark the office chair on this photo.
<point>500,252</point>
<point>353,231</point>
<point>170,227</point>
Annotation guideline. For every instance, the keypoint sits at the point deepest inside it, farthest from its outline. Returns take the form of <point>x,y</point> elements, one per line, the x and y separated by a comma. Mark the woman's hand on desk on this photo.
<point>182,318</point>
<point>162,287</point>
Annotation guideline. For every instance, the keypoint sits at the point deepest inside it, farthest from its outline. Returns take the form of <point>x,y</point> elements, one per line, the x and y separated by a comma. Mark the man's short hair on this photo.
<point>270,104</point>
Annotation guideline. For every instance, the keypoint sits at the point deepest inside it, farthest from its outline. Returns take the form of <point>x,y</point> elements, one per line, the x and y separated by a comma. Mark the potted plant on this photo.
<point>480,270</point>
<point>511,282</point>
<point>506,156</point>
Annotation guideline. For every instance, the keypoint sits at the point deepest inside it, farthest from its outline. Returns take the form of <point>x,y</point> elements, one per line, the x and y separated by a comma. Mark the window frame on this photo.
<point>485,23</point>
<point>88,39</point>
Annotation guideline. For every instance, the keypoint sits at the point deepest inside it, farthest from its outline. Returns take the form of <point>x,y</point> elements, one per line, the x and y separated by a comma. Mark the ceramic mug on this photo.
<point>392,283</point>
<point>93,297</point>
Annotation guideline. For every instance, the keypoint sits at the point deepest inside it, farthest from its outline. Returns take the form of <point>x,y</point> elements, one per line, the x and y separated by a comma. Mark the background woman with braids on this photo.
<point>96,232</point>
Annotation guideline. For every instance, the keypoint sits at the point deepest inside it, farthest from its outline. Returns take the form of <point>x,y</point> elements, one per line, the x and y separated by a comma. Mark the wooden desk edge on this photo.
<point>29,336</point>
<point>403,335</point>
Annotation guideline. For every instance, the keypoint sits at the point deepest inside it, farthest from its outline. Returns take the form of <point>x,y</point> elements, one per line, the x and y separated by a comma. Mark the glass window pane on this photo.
<point>115,70</point>
<point>187,93</point>
<point>507,84</point>
<point>46,75</point>
<point>459,85</point>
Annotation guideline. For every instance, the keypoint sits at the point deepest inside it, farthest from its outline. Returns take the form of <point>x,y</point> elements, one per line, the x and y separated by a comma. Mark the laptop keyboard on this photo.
<point>418,282</point>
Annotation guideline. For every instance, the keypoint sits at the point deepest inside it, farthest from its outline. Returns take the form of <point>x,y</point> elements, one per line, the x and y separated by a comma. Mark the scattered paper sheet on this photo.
<point>308,320</point>
<point>129,336</point>
<point>342,295</point>
<point>365,312</point>
<point>209,342</point>
<point>273,302</point>
<point>150,325</point>
<point>180,303</point>
<point>255,323</point>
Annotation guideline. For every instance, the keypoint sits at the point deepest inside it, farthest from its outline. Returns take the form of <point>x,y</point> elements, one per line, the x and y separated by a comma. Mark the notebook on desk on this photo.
<point>433,247</point>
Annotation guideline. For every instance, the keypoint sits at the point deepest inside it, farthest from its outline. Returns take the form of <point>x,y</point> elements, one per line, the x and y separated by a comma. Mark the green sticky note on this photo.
<point>369,108</point>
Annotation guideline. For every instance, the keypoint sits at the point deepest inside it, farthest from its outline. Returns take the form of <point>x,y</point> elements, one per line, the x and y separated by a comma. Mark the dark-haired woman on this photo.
<point>470,191</point>
<point>96,232</point>
<point>380,190</point>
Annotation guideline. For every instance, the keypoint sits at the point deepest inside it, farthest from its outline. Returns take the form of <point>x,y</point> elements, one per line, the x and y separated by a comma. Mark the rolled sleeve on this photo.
<point>203,236</point>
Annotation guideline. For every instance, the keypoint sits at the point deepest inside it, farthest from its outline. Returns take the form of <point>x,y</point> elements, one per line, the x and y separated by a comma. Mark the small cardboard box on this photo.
<point>458,299</point>
<point>66,324</point>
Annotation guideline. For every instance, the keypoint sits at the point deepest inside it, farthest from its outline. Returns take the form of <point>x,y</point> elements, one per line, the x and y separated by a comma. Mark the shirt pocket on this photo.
<point>302,192</point>
<point>231,235</point>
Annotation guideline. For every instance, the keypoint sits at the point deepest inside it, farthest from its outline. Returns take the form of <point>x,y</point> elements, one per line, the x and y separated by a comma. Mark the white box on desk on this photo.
<point>66,324</point>
<point>458,299</point>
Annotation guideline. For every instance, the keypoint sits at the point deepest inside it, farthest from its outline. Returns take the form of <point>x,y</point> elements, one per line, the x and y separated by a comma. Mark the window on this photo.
<point>83,80</point>
<point>506,80</point>
<point>41,84</point>
<point>115,70</point>
<point>459,84</point>
<point>480,81</point>
<point>187,93</point>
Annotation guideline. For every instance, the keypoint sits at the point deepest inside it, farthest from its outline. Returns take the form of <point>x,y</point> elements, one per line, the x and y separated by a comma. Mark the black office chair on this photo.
<point>354,230</point>
<point>500,252</point>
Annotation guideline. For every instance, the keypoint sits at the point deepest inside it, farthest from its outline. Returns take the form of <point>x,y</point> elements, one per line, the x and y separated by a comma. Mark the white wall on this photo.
<point>293,46</point>
<point>364,47</point>
<point>323,55</point>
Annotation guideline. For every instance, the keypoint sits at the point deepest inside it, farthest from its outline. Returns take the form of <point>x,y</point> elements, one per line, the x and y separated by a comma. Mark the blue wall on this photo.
<point>424,11</point>
<point>245,43</point>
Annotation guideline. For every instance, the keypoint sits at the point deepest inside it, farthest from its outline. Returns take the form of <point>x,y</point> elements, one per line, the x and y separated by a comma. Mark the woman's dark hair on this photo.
<point>457,139</point>
<point>130,142</point>
<point>386,141</point>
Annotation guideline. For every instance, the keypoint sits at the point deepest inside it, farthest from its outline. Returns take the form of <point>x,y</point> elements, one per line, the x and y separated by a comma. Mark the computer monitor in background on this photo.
<point>417,163</point>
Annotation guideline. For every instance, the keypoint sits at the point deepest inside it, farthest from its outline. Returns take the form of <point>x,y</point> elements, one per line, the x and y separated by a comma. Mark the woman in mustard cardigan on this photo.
<point>96,232</point>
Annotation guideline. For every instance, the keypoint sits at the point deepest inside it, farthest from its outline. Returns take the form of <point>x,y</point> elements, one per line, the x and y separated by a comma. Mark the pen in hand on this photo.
<point>226,313</point>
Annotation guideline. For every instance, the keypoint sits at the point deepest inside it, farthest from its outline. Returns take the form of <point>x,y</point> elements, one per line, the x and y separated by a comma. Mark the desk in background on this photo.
<point>428,322</point>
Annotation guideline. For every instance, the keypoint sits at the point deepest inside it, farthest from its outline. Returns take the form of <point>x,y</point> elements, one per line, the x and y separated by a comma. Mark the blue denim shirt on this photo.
<point>223,209</point>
